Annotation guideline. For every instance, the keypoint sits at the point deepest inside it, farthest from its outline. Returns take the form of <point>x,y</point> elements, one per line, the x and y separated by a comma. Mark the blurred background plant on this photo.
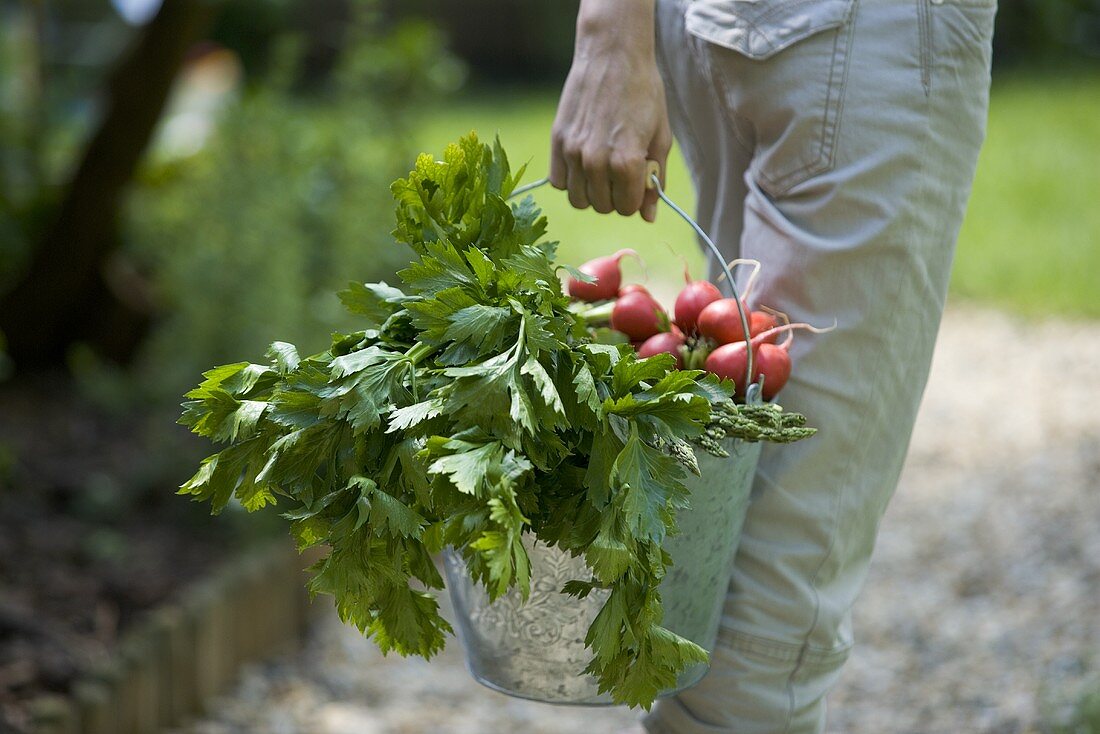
<point>264,188</point>
<point>1074,711</point>
<point>180,184</point>
<point>256,188</point>
<point>248,228</point>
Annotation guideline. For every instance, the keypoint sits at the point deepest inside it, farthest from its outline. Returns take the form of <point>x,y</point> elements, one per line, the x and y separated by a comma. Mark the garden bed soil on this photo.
<point>91,536</point>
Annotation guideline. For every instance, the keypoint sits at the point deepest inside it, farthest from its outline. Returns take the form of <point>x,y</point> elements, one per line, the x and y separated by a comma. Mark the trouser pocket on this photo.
<point>779,69</point>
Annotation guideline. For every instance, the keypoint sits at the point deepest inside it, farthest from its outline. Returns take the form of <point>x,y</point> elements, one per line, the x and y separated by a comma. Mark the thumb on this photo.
<point>658,152</point>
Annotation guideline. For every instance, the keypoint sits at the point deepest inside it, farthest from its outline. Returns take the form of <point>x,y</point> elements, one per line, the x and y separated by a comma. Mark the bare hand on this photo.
<point>612,115</point>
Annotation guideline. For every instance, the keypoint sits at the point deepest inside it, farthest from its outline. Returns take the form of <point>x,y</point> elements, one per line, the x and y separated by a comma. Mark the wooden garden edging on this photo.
<point>172,662</point>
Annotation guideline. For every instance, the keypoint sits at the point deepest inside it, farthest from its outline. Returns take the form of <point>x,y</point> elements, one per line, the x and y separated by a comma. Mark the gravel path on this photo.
<point>982,610</point>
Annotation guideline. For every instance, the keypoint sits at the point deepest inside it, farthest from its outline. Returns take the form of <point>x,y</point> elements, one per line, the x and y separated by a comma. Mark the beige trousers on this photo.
<point>835,141</point>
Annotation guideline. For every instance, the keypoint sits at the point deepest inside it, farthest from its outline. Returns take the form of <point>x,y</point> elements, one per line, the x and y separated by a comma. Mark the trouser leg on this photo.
<point>863,145</point>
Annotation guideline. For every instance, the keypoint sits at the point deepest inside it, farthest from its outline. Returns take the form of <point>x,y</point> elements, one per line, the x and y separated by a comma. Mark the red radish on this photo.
<point>608,277</point>
<point>633,288</point>
<point>692,299</point>
<point>774,362</point>
<point>695,296</point>
<point>729,360</point>
<point>764,319</point>
<point>761,321</point>
<point>721,321</point>
<point>637,315</point>
<point>668,341</point>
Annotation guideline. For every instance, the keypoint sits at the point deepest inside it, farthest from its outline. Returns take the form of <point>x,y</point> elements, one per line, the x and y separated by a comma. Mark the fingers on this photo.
<point>658,151</point>
<point>605,178</point>
<point>576,183</point>
<point>627,181</point>
<point>649,200</point>
<point>598,180</point>
<point>587,178</point>
<point>559,171</point>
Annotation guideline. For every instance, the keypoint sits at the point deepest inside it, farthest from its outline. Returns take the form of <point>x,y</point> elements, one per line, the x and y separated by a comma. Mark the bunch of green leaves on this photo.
<point>470,410</point>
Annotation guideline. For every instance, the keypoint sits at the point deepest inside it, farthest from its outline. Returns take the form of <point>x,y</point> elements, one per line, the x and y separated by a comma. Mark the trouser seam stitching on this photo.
<point>876,388</point>
<point>830,119</point>
<point>924,26</point>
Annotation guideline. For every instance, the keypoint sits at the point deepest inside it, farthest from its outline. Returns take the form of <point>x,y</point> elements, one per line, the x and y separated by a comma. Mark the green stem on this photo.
<point>419,352</point>
<point>412,382</point>
<point>521,341</point>
<point>413,357</point>
<point>595,315</point>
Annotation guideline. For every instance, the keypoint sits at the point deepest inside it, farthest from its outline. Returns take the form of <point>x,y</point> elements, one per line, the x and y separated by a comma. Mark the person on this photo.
<point>836,142</point>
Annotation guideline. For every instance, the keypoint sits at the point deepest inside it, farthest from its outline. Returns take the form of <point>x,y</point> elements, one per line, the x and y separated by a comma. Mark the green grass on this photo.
<point>1031,239</point>
<point>1030,243</point>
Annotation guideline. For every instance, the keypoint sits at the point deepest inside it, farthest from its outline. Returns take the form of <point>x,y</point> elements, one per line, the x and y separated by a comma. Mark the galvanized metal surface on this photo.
<point>536,649</point>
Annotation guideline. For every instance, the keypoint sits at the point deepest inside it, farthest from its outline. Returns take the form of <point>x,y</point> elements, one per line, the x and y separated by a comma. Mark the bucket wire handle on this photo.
<point>653,181</point>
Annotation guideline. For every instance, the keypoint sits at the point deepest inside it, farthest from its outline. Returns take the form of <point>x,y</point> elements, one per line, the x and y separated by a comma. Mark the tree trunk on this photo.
<point>66,295</point>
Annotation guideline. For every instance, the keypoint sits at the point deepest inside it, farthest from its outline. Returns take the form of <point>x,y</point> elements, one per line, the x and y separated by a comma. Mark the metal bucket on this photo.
<point>536,649</point>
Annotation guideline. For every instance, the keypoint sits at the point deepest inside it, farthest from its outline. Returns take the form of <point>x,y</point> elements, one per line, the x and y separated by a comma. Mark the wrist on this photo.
<point>621,24</point>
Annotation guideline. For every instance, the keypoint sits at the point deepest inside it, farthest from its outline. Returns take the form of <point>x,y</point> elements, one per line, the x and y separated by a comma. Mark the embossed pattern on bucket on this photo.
<point>536,649</point>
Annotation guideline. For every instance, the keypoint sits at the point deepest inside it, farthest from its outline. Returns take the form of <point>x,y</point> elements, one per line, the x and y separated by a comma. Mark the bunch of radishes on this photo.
<point>706,331</point>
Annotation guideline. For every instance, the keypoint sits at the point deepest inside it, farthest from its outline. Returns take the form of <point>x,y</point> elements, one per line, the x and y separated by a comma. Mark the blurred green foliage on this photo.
<point>1029,32</point>
<point>54,56</point>
<point>534,39</point>
<point>1071,713</point>
<point>283,204</point>
<point>245,237</point>
<point>1086,716</point>
<point>1029,240</point>
<point>252,29</point>
<point>26,176</point>
<point>530,40</point>
<point>247,240</point>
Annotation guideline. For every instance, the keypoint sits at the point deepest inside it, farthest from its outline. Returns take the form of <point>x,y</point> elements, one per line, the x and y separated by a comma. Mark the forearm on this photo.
<point>615,26</point>
<point>612,114</point>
